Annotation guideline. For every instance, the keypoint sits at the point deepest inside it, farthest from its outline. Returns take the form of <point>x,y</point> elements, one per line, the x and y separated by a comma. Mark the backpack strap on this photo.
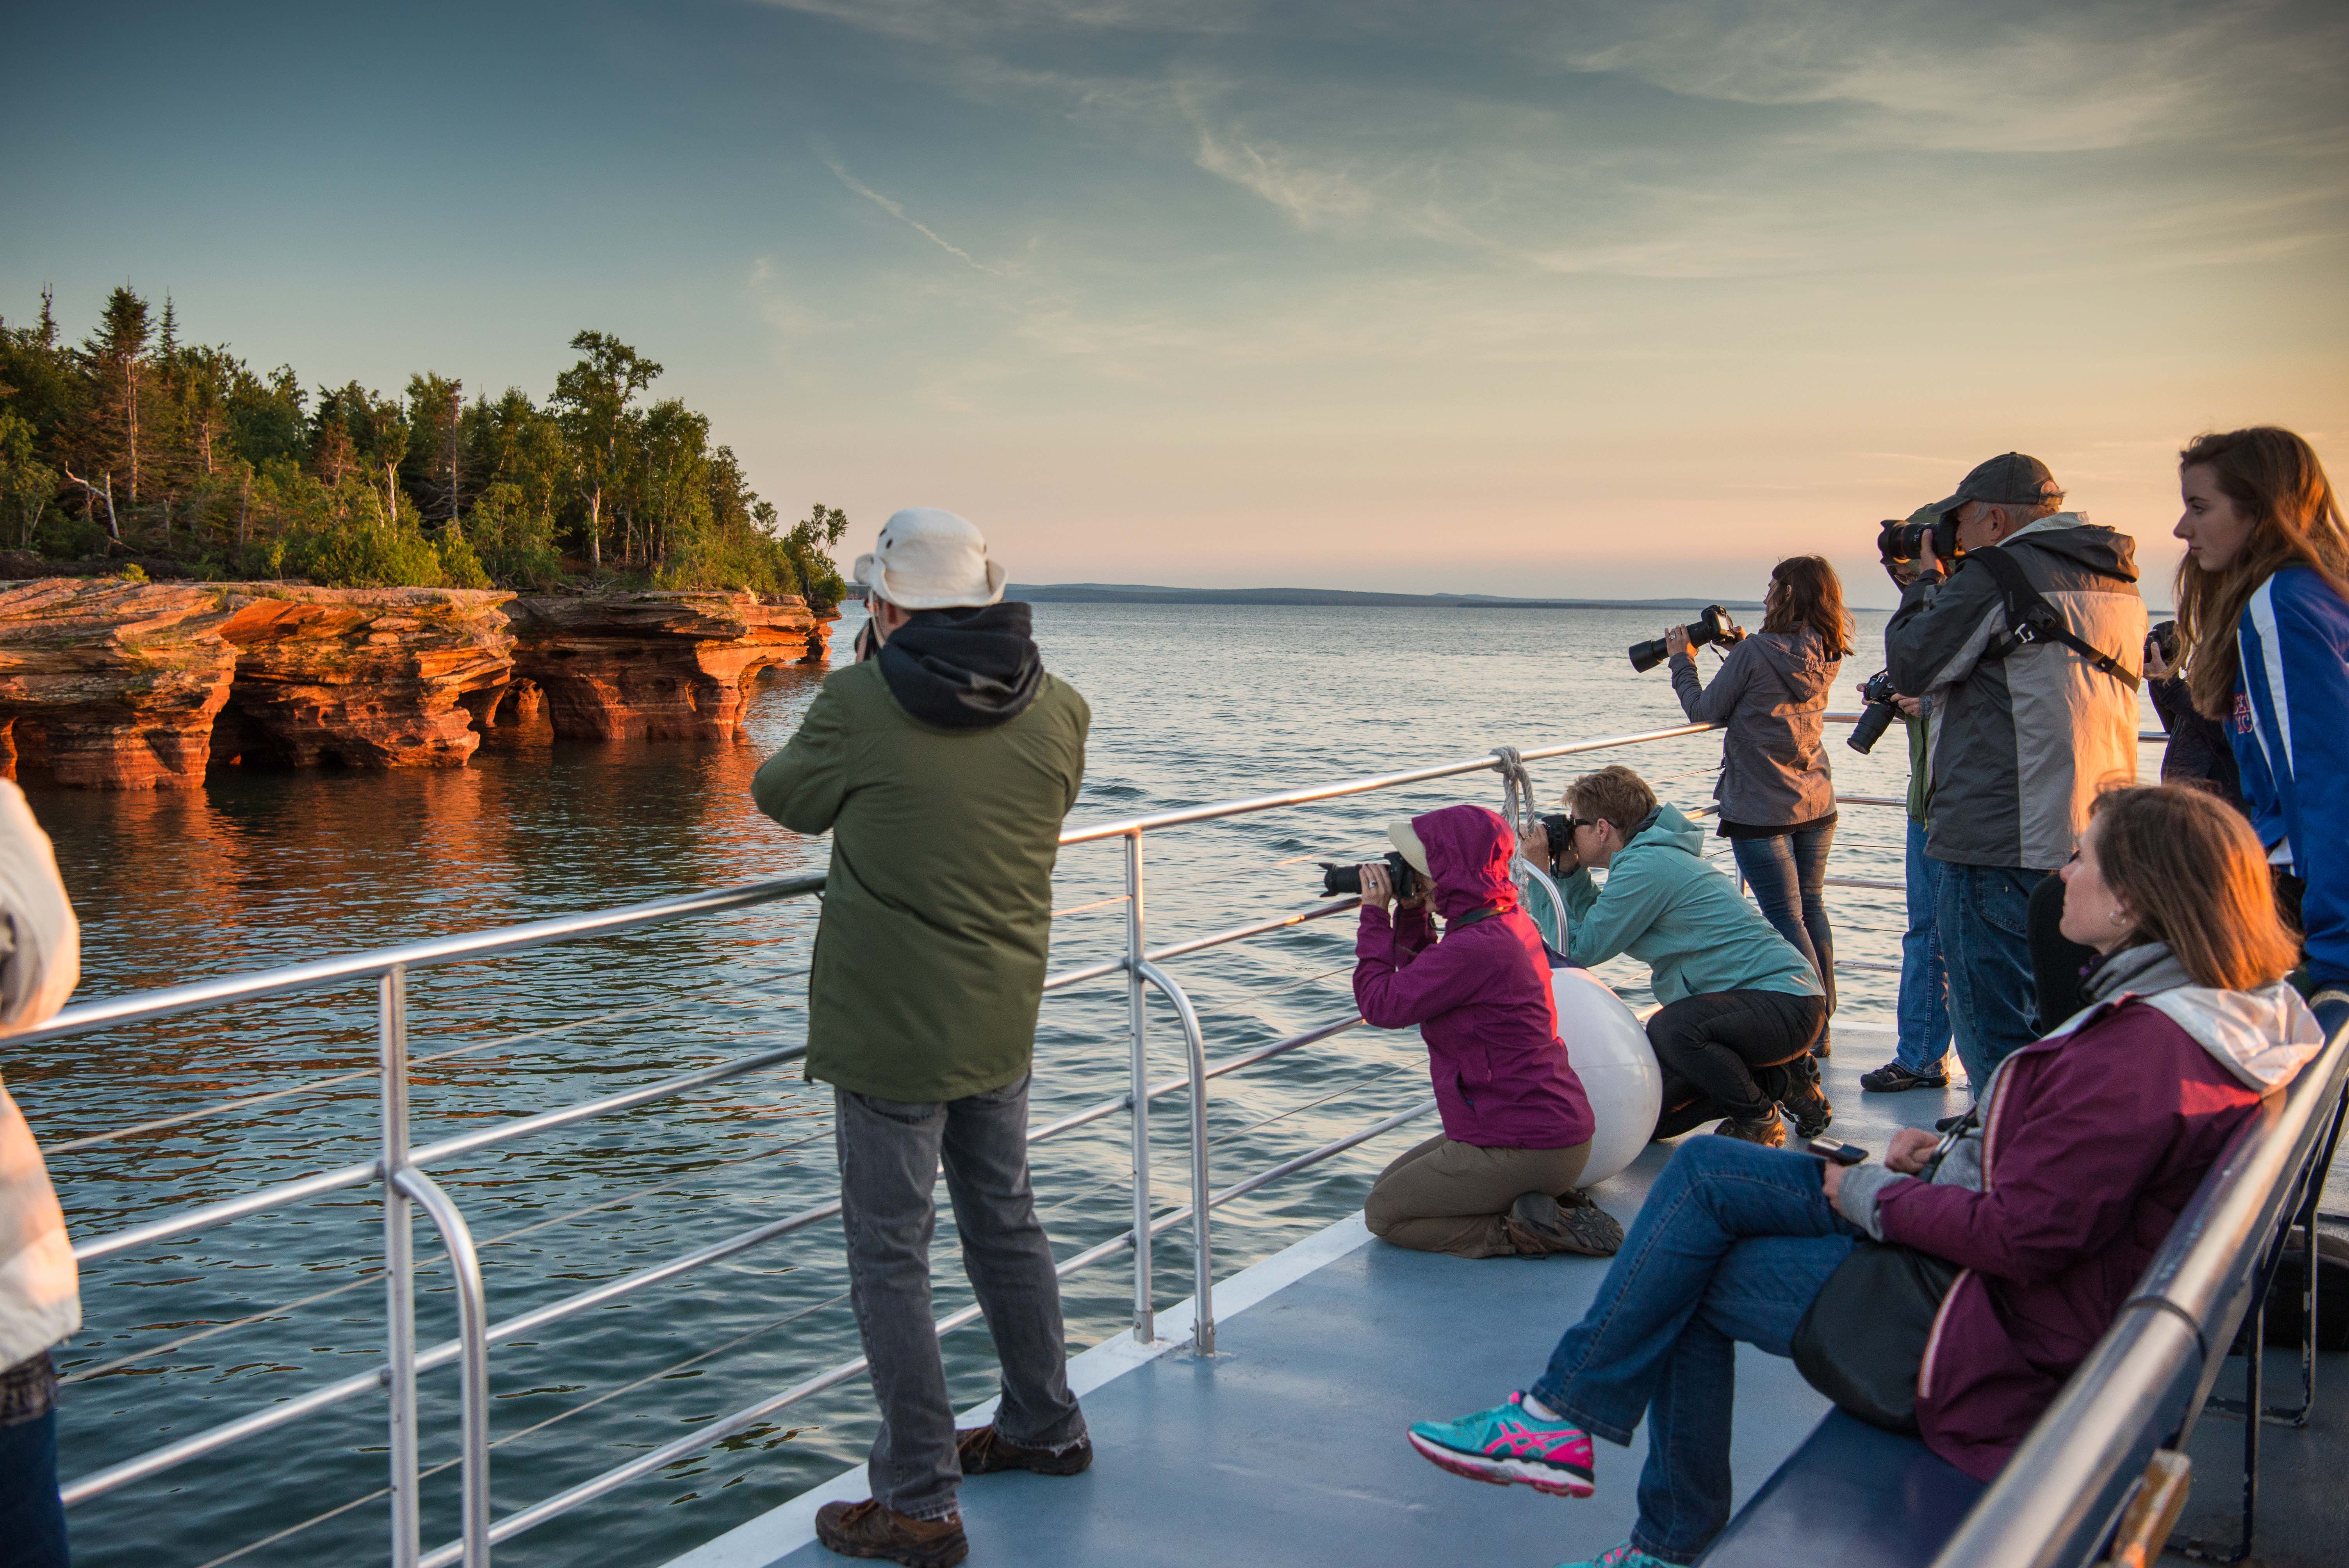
<point>2029,618</point>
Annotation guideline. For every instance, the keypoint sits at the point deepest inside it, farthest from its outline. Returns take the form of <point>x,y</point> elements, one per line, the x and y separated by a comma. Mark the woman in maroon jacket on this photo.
<point>2091,1142</point>
<point>1499,1181</point>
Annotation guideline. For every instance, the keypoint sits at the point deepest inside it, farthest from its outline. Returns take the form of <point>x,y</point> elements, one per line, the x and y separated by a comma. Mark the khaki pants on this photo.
<point>1445,1197</point>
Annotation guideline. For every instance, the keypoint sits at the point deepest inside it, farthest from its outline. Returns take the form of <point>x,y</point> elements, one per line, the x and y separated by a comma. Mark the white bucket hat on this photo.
<point>931,560</point>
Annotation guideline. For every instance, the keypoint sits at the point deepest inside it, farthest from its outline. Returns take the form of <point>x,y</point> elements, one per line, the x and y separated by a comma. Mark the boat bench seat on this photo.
<point>1851,1496</point>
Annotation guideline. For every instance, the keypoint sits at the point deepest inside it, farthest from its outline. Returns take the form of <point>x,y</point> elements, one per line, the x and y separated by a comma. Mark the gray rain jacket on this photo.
<point>2021,744</point>
<point>1772,691</point>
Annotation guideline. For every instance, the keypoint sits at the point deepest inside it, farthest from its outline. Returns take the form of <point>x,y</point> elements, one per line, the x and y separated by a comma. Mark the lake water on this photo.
<point>1190,705</point>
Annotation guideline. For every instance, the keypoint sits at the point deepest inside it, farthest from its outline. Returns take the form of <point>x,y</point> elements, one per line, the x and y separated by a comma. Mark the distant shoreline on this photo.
<point>1144,594</point>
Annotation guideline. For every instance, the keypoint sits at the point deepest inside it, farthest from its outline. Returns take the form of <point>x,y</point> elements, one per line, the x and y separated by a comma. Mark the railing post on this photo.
<point>1145,1316</point>
<point>399,1265</point>
<point>1203,1254</point>
<point>473,1337</point>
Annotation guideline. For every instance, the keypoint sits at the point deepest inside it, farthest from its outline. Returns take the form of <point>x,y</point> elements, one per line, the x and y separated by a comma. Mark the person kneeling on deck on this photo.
<point>1499,1181</point>
<point>2038,1215</point>
<point>942,762</point>
<point>1741,1007</point>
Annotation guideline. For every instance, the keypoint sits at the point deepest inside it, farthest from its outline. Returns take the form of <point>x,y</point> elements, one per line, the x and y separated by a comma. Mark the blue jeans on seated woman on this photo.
<point>1733,1244</point>
<point>1789,874</point>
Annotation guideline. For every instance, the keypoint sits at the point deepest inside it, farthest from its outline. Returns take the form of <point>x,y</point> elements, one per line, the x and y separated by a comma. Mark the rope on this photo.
<point>1516,791</point>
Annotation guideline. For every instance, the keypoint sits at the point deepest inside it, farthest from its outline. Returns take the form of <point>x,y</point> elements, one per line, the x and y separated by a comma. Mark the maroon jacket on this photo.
<point>1481,996</point>
<point>2092,1143</point>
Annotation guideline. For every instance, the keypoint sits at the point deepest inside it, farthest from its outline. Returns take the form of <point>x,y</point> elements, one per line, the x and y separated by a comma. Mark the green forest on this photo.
<point>135,452</point>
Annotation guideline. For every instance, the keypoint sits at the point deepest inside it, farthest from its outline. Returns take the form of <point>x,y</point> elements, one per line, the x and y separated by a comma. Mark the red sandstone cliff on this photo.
<point>124,686</point>
<point>673,665</point>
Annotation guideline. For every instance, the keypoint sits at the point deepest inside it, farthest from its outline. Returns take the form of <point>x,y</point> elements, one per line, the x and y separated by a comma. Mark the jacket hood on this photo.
<point>1800,659</point>
<point>2070,534</point>
<point>963,669</point>
<point>2262,1037</point>
<point>1468,851</point>
<point>1666,828</point>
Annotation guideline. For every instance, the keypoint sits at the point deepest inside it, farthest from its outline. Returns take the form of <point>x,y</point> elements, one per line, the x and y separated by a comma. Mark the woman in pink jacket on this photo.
<point>2092,1142</point>
<point>1500,1180</point>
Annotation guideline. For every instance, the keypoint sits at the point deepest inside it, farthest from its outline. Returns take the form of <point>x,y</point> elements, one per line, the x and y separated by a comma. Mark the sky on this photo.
<point>1611,300</point>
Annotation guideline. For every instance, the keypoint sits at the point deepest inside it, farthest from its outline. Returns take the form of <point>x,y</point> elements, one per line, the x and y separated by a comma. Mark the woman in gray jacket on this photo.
<point>1777,793</point>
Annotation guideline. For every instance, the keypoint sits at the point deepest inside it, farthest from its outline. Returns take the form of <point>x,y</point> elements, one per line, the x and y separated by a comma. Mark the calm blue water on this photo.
<point>1190,705</point>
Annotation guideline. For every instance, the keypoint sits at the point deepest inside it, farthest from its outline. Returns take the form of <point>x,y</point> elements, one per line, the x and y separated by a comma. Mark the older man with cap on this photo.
<point>942,762</point>
<point>2026,652</point>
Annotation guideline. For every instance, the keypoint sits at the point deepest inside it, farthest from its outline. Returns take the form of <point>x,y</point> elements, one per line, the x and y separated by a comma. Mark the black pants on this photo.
<point>2058,967</point>
<point>1711,1047</point>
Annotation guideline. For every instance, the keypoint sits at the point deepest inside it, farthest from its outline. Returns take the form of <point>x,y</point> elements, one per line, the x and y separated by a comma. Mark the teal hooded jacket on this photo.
<point>1681,918</point>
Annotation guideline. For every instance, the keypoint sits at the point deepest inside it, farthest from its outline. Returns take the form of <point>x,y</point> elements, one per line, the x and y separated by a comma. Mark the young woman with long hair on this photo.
<point>2263,628</point>
<point>2089,1144</point>
<point>1776,791</point>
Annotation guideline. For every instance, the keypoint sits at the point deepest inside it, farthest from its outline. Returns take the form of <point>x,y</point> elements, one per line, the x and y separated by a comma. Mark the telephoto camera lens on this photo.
<point>1878,717</point>
<point>1714,627</point>
<point>1347,879</point>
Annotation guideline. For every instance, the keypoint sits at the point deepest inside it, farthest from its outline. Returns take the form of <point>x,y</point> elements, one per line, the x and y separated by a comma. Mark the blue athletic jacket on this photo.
<point>2291,734</point>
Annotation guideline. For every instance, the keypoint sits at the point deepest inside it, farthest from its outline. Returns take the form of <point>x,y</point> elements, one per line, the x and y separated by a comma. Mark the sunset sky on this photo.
<point>1613,300</point>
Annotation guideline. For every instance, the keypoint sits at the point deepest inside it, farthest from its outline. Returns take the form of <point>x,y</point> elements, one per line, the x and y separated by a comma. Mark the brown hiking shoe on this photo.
<point>1766,1131</point>
<point>1540,1226</point>
<point>983,1451</point>
<point>869,1528</point>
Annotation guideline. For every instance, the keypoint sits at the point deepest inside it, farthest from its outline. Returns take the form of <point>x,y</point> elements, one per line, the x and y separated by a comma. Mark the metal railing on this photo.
<point>399,1170</point>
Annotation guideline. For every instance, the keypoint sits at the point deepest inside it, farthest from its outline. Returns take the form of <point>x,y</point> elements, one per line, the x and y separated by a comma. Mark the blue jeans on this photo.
<point>32,1520</point>
<point>1924,1007</point>
<point>1733,1242</point>
<point>1985,923</point>
<point>1789,874</point>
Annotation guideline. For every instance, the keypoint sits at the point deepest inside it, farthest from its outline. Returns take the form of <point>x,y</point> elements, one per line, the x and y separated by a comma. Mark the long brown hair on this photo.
<point>2274,479</point>
<point>1810,594</point>
<point>2190,871</point>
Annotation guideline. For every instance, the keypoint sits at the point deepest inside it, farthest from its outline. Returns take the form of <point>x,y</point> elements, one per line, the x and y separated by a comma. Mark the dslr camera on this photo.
<point>1714,627</point>
<point>1902,544</point>
<point>1338,879</point>
<point>2163,639</point>
<point>1877,694</point>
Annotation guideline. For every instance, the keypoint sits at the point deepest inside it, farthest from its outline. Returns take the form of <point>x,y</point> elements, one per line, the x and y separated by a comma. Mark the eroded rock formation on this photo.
<point>142,685</point>
<point>111,684</point>
<point>363,677</point>
<point>657,665</point>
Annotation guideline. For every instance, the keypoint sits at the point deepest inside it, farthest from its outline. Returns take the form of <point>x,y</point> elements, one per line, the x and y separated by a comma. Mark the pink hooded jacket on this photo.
<point>1481,996</point>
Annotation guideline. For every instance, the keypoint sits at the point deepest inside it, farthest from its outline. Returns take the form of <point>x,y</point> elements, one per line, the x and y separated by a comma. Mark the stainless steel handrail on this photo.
<point>1203,1262</point>
<point>472,1326</point>
<point>2052,1504</point>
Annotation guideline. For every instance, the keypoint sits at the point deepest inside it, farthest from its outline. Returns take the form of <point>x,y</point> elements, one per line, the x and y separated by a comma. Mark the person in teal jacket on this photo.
<point>1741,1009</point>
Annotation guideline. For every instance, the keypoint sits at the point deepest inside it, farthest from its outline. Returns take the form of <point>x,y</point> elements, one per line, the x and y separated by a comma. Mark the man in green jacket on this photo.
<point>1740,1006</point>
<point>942,762</point>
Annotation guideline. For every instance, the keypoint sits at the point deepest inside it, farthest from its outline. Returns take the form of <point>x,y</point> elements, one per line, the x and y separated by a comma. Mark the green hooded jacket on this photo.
<point>937,917</point>
<point>1681,918</point>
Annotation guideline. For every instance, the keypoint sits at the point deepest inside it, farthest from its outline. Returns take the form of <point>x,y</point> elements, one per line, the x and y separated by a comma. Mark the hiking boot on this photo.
<point>1540,1225</point>
<point>1797,1090</point>
<point>1766,1131</point>
<point>1826,1048</point>
<point>1509,1443</point>
<point>1892,1079</point>
<point>983,1451</point>
<point>1624,1556</point>
<point>870,1528</point>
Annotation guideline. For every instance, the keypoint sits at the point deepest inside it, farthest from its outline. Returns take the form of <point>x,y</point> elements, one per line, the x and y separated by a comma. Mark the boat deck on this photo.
<point>1287,1446</point>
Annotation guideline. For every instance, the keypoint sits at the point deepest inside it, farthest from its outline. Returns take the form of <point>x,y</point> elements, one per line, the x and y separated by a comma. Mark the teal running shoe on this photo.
<point>1509,1444</point>
<point>1624,1556</point>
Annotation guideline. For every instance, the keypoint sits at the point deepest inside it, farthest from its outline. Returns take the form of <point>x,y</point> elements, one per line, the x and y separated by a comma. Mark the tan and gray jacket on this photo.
<point>40,960</point>
<point>2021,744</point>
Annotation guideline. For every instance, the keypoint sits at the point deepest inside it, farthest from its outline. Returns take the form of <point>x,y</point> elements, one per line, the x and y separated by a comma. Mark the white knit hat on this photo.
<point>931,560</point>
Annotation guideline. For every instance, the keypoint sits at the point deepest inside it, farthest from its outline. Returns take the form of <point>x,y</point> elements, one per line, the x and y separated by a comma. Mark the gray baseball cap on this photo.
<point>2010,478</point>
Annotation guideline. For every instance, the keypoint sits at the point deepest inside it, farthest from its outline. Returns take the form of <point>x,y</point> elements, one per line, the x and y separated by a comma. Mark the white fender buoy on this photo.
<point>1617,1066</point>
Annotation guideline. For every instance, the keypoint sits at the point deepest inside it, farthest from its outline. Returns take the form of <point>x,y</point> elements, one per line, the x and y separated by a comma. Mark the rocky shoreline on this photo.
<point>114,685</point>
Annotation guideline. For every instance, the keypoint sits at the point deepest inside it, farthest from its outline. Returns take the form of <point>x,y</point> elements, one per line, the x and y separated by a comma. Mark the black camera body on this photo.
<point>1901,544</point>
<point>1558,829</point>
<point>1338,879</point>
<point>2163,638</point>
<point>1877,694</point>
<point>1714,627</point>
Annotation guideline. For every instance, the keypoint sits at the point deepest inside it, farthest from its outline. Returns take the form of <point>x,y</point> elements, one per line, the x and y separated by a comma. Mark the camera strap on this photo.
<point>2029,618</point>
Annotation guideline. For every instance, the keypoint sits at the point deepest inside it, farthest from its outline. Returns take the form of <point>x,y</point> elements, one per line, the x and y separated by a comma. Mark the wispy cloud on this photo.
<point>897,209</point>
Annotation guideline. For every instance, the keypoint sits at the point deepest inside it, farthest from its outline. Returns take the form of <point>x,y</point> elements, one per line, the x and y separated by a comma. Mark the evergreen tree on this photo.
<point>591,399</point>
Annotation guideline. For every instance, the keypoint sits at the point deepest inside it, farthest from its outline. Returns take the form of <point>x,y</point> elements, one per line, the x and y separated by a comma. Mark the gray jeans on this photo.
<point>889,1156</point>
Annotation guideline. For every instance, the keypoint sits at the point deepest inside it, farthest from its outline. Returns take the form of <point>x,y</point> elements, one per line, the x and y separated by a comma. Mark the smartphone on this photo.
<point>1841,1153</point>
